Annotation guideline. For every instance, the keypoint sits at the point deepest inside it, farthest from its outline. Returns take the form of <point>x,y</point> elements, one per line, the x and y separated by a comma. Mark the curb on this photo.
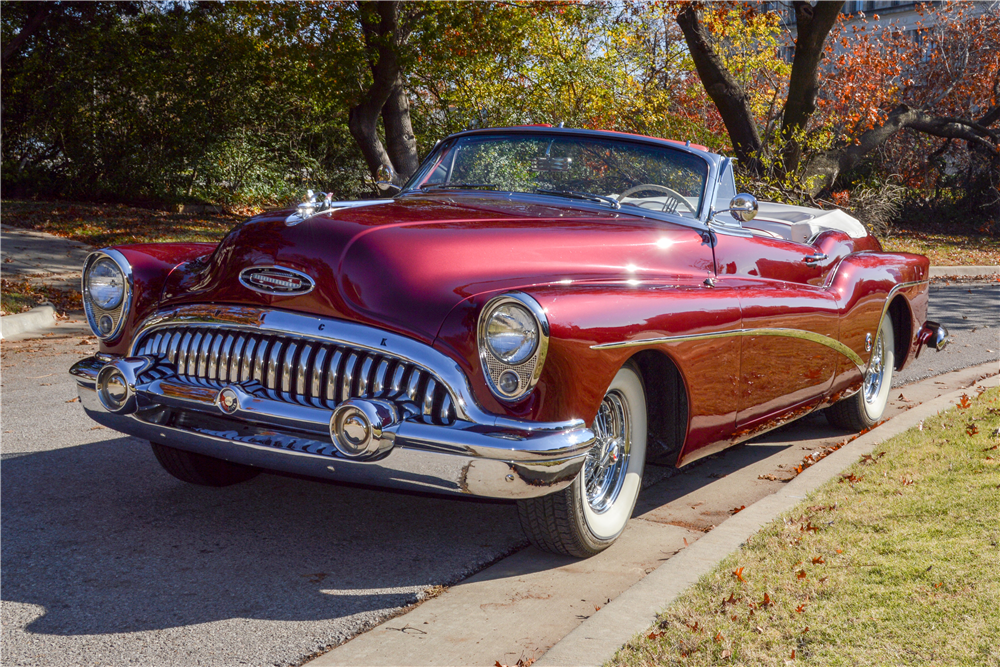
<point>597,639</point>
<point>964,271</point>
<point>36,319</point>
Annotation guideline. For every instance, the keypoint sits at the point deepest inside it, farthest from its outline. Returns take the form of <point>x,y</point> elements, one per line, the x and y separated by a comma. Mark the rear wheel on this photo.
<point>865,408</point>
<point>200,469</point>
<point>589,515</point>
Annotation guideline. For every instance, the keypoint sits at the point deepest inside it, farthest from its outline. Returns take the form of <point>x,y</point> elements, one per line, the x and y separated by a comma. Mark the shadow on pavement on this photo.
<point>107,542</point>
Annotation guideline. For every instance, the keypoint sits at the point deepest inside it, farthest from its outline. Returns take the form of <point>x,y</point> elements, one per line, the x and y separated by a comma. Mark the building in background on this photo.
<point>906,17</point>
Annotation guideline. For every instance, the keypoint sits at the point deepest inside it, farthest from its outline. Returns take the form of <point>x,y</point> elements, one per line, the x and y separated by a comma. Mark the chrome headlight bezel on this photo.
<point>95,313</point>
<point>527,371</point>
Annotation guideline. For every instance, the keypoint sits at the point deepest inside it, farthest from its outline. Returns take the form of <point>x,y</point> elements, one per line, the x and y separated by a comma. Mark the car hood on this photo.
<point>404,264</point>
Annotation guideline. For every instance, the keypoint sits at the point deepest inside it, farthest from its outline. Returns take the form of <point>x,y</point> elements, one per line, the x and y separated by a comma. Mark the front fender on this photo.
<point>594,328</point>
<point>151,264</point>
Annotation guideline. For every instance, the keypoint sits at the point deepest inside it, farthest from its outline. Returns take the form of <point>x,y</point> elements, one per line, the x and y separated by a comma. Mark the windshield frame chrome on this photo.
<point>713,161</point>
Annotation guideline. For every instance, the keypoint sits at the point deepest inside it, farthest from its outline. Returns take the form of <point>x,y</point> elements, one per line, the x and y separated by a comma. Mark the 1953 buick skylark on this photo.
<point>535,315</point>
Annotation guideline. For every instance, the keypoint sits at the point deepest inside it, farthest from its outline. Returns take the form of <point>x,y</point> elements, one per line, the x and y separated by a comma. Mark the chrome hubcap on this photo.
<point>604,470</point>
<point>876,371</point>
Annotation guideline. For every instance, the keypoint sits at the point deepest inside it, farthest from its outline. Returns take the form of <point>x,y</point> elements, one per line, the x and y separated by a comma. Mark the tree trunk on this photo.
<point>399,138</point>
<point>728,95</point>
<point>386,97</point>
<point>813,24</point>
<point>30,28</point>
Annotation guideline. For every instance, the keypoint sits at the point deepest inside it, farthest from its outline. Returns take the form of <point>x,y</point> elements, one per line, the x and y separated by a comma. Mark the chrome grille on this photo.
<point>296,370</point>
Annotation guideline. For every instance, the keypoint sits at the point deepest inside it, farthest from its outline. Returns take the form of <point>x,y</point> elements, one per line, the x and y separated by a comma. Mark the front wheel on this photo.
<point>865,408</point>
<point>589,515</point>
<point>200,469</point>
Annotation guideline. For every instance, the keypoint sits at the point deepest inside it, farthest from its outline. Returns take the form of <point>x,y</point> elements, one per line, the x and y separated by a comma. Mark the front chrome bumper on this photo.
<point>494,457</point>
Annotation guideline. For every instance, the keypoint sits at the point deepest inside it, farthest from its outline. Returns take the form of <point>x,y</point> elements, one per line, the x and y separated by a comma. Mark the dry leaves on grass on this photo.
<point>21,291</point>
<point>115,224</point>
<point>948,247</point>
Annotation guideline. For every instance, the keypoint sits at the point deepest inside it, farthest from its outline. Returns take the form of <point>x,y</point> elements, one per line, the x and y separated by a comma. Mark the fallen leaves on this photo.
<point>21,295</point>
<point>104,225</point>
<point>521,662</point>
<point>738,573</point>
<point>737,510</point>
<point>869,458</point>
<point>964,402</point>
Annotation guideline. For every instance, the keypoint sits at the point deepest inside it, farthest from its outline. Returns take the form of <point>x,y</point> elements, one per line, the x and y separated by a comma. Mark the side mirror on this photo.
<point>384,179</point>
<point>743,207</point>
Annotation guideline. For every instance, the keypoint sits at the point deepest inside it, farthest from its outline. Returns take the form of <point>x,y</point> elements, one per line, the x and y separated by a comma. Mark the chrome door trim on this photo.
<point>831,343</point>
<point>743,333</point>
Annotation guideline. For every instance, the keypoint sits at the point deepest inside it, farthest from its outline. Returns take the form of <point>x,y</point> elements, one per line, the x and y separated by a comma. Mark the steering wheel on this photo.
<point>674,198</point>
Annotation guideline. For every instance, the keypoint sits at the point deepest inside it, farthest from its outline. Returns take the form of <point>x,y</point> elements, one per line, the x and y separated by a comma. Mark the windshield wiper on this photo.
<point>586,196</point>
<point>459,186</point>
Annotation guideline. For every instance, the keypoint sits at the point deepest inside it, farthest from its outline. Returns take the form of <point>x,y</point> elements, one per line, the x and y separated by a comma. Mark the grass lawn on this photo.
<point>18,296</point>
<point>946,246</point>
<point>115,224</point>
<point>895,563</point>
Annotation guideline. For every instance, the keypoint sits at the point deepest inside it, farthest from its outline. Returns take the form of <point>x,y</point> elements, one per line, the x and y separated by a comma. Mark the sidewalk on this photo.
<point>41,259</point>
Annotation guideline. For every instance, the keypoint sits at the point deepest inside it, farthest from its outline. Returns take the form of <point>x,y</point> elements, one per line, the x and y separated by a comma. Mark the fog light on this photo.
<point>105,324</point>
<point>363,429</point>
<point>508,382</point>
<point>116,384</point>
<point>112,389</point>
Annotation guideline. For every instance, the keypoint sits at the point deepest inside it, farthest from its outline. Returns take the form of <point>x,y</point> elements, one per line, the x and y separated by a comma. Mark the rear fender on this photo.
<point>869,286</point>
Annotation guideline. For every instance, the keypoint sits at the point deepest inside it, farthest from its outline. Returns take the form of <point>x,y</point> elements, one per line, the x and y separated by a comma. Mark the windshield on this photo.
<point>607,171</point>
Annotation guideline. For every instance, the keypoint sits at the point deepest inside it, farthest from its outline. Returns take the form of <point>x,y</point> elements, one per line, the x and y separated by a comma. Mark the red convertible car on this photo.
<point>533,316</point>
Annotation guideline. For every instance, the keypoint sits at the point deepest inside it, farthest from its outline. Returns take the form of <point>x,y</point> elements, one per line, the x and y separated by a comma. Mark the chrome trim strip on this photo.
<point>765,331</point>
<point>742,333</point>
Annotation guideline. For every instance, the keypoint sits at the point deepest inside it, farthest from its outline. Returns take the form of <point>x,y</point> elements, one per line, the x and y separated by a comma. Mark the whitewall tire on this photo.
<point>589,515</point>
<point>865,408</point>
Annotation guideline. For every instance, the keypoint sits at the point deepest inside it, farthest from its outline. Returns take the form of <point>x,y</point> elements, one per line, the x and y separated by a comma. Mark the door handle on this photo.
<point>812,259</point>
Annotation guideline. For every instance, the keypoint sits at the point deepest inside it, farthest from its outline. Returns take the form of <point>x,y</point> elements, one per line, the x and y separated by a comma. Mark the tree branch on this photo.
<point>814,23</point>
<point>825,167</point>
<point>728,95</point>
<point>29,29</point>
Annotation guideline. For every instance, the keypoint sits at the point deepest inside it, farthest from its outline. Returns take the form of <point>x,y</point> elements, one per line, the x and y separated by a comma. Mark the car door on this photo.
<point>790,324</point>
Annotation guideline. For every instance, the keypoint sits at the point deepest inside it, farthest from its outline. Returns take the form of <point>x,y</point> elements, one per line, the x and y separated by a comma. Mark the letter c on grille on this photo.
<point>276,280</point>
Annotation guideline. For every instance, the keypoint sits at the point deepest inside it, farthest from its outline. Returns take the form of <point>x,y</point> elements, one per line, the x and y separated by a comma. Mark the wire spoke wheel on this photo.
<point>604,470</point>
<point>875,373</point>
<point>587,517</point>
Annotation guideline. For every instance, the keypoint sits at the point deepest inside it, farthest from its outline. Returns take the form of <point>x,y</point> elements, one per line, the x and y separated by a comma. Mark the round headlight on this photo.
<point>105,284</point>
<point>511,334</point>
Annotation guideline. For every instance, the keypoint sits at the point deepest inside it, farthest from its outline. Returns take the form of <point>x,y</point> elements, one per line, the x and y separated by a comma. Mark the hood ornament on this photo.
<point>311,207</point>
<point>276,280</point>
